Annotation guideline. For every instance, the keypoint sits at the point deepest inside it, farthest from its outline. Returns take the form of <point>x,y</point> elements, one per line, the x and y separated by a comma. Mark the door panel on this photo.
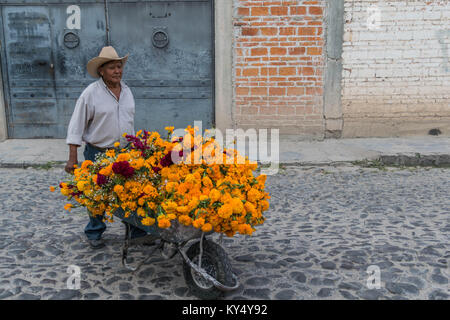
<point>170,65</point>
<point>33,107</point>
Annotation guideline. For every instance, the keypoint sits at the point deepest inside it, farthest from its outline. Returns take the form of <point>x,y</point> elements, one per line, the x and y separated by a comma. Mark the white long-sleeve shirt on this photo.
<point>99,118</point>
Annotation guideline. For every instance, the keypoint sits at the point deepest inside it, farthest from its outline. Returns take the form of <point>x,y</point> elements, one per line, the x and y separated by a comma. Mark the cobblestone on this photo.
<point>325,227</point>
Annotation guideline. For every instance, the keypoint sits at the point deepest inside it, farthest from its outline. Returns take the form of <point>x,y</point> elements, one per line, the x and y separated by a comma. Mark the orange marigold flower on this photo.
<point>52,189</point>
<point>123,157</point>
<point>207,227</point>
<point>148,221</point>
<point>237,205</point>
<point>68,206</point>
<point>164,223</point>
<point>185,220</point>
<point>225,211</point>
<point>215,195</point>
<point>253,195</point>
<point>198,223</point>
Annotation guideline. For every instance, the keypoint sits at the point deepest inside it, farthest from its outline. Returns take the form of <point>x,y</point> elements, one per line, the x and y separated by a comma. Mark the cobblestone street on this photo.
<point>324,228</point>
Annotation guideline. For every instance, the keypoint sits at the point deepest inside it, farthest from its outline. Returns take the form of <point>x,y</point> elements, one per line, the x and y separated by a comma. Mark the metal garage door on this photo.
<point>47,44</point>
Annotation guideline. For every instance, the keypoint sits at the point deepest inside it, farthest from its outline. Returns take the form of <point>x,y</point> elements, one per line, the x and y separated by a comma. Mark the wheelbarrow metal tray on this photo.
<point>176,233</point>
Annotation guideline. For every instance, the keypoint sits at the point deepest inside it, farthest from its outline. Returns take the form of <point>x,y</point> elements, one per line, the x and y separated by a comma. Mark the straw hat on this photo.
<point>107,54</point>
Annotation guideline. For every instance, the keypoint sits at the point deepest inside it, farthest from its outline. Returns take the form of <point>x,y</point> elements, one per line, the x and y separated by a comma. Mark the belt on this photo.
<point>98,148</point>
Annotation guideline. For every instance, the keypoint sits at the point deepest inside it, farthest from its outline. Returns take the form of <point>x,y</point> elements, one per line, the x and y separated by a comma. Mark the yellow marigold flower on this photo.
<point>141,212</point>
<point>198,223</point>
<point>138,163</point>
<point>264,205</point>
<point>207,227</point>
<point>183,209</point>
<point>124,134</point>
<point>245,229</point>
<point>117,144</point>
<point>141,201</point>
<point>118,188</point>
<point>106,171</point>
<point>215,195</point>
<point>171,186</point>
<point>123,157</point>
<point>148,221</point>
<point>249,207</point>
<point>52,189</point>
<point>65,192</point>
<point>225,211</point>
<point>171,216</point>
<point>164,223</point>
<point>138,133</point>
<point>86,164</point>
<point>253,195</point>
<point>185,220</point>
<point>68,206</point>
<point>237,205</point>
<point>170,129</point>
<point>111,153</point>
<point>81,185</point>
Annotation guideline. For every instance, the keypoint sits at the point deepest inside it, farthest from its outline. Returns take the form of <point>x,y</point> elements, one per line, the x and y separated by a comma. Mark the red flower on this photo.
<point>123,168</point>
<point>101,179</point>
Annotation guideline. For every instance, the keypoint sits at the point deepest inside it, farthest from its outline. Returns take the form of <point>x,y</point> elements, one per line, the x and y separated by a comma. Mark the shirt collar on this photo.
<point>100,80</point>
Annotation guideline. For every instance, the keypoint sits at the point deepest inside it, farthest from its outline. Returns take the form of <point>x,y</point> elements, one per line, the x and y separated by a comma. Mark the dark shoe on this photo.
<point>96,244</point>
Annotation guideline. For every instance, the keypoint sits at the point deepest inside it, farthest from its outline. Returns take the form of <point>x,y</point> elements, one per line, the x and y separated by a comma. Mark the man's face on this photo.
<point>111,72</point>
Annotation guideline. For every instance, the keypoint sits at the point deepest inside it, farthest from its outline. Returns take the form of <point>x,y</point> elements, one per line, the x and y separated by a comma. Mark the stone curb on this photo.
<point>416,159</point>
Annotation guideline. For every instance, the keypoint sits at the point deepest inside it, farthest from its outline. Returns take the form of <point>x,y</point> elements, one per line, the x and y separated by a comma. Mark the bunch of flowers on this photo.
<point>188,178</point>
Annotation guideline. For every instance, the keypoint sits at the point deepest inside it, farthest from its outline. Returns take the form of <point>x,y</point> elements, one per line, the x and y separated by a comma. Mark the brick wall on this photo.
<point>396,75</point>
<point>278,65</point>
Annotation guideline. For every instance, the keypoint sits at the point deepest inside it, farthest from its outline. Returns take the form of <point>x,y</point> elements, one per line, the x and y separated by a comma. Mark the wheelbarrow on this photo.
<point>206,266</point>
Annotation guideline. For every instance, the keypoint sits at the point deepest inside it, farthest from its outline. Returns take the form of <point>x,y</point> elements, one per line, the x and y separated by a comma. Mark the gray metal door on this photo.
<point>46,49</point>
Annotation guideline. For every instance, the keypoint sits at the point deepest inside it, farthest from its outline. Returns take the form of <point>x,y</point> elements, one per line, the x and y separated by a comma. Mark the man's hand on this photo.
<point>73,160</point>
<point>70,166</point>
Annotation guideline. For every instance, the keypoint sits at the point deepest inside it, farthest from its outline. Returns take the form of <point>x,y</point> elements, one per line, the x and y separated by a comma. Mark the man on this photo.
<point>103,112</point>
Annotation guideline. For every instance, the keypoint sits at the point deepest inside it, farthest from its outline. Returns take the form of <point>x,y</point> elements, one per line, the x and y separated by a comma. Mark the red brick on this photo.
<point>287,71</point>
<point>275,91</point>
<point>287,31</point>
<point>244,11</point>
<point>307,71</point>
<point>260,11</point>
<point>249,72</point>
<point>314,51</point>
<point>279,11</point>
<point>270,31</point>
<point>277,51</point>
<point>306,31</point>
<point>295,91</point>
<point>249,31</point>
<point>259,51</point>
<point>258,91</point>
<point>298,10</point>
<point>242,91</point>
<point>315,10</point>
<point>297,51</point>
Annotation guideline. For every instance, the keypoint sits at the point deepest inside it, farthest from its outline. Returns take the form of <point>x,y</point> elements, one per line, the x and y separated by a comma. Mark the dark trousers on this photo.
<point>95,228</point>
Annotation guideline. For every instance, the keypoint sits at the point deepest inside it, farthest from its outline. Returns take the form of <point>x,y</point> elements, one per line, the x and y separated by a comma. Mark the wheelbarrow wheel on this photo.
<point>215,262</point>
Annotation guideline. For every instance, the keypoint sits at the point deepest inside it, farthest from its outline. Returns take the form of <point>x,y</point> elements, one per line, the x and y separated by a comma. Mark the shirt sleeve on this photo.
<point>78,122</point>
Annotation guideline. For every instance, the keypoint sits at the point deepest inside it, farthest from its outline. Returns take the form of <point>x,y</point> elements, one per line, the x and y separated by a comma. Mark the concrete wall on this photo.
<point>3,121</point>
<point>396,69</point>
